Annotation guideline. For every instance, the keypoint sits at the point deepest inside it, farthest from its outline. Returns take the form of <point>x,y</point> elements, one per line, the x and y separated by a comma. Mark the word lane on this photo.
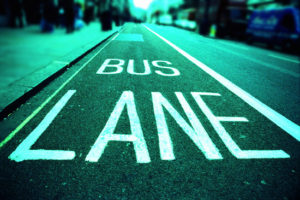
<point>193,129</point>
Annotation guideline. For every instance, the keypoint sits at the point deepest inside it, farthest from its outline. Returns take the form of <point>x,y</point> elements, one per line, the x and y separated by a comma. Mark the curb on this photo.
<point>11,107</point>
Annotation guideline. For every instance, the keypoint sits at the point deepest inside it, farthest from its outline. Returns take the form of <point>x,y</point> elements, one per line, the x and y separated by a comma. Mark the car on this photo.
<point>275,27</point>
<point>165,19</point>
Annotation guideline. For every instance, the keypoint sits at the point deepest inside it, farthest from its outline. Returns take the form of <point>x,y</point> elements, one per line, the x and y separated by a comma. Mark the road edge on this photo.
<point>11,107</point>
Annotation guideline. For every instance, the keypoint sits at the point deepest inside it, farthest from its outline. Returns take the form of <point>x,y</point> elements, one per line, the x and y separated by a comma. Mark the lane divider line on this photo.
<point>259,62</point>
<point>287,125</point>
<point>37,110</point>
<point>284,58</point>
<point>238,46</point>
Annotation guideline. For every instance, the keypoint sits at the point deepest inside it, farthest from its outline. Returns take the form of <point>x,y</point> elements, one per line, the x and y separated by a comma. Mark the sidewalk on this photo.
<point>28,56</point>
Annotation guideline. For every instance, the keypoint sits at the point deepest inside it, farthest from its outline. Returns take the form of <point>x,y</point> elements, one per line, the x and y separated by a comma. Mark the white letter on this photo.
<point>106,64</point>
<point>175,71</point>
<point>198,134</point>
<point>226,138</point>
<point>23,151</point>
<point>107,134</point>
<point>130,68</point>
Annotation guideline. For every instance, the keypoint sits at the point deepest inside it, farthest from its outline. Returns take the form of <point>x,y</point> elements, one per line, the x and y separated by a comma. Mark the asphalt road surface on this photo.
<point>159,113</point>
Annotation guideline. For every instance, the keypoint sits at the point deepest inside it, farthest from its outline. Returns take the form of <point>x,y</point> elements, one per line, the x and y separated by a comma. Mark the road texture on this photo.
<point>142,117</point>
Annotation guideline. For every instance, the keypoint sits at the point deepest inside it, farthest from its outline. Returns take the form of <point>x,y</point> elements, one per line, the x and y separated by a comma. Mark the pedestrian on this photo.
<point>105,16</point>
<point>16,13</point>
<point>89,11</point>
<point>68,6</point>
<point>49,16</point>
<point>79,23</point>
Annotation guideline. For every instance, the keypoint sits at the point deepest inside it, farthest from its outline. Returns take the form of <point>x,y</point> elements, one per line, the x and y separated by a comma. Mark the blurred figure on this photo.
<point>61,16</point>
<point>89,11</point>
<point>33,11</point>
<point>16,13</point>
<point>105,15</point>
<point>49,16</point>
<point>204,21</point>
<point>68,6</point>
<point>78,16</point>
<point>116,16</point>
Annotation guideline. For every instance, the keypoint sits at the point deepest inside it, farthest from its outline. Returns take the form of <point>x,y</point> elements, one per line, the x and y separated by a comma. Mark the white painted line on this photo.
<point>259,62</point>
<point>284,58</point>
<point>115,36</point>
<point>36,111</point>
<point>232,119</point>
<point>281,121</point>
<point>208,94</point>
<point>239,46</point>
<point>23,151</point>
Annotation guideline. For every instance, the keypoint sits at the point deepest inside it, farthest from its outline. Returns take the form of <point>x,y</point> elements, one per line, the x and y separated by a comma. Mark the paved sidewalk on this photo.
<point>28,56</point>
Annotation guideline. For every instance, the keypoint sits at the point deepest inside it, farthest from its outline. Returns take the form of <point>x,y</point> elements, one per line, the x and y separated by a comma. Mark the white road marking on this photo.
<point>284,58</point>
<point>228,141</point>
<point>106,64</point>
<point>197,134</point>
<point>107,134</point>
<point>174,70</point>
<point>259,62</point>
<point>130,68</point>
<point>37,110</point>
<point>281,121</point>
<point>116,36</point>
<point>232,119</point>
<point>209,94</point>
<point>239,46</point>
<point>119,64</point>
<point>23,151</point>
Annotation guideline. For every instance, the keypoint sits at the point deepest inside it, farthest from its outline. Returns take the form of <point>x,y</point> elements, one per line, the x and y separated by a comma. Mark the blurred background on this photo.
<point>245,20</point>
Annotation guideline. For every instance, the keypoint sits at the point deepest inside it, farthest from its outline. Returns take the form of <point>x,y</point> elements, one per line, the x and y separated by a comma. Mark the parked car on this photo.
<point>275,27</point>
<point>186,19</point>
<point>165,19</point>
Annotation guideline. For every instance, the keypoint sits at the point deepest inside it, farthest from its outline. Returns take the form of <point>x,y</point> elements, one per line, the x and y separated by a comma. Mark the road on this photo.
<point>157,112</point>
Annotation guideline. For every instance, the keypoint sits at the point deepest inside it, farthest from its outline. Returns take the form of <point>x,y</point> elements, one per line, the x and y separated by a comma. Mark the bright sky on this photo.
<point>144,4</point>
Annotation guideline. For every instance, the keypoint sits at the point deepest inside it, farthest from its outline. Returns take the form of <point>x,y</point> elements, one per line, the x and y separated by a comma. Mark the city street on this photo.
<point>157,112</point>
